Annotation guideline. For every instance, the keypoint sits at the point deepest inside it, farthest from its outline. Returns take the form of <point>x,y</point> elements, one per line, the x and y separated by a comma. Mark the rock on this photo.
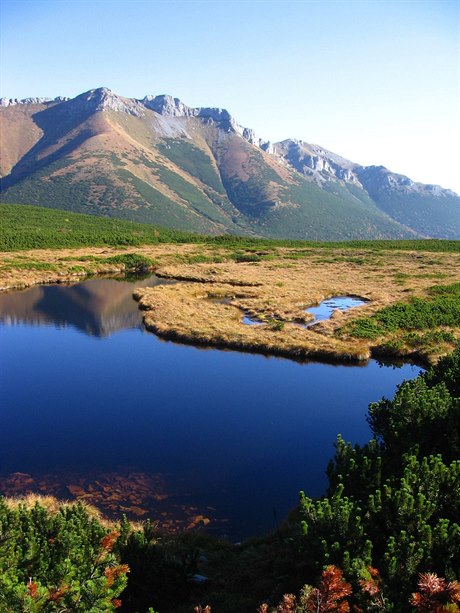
<point>167,106</point>
<point>103,99</point>
<point>14,101</point>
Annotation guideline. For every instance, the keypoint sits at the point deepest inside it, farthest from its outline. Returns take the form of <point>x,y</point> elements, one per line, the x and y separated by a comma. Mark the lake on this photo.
<point>96,407</point>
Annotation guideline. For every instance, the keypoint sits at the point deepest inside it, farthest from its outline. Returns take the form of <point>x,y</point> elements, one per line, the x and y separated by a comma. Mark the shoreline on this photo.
<point>206,306</point>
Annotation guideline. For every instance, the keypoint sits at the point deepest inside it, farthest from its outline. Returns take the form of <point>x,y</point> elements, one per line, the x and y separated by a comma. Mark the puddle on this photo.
<point>250,321</point>
<point>324,310</point>
<point>321,312</point>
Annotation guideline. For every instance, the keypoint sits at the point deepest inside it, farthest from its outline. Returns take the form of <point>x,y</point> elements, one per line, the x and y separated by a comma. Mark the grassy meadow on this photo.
<point>411,288</point>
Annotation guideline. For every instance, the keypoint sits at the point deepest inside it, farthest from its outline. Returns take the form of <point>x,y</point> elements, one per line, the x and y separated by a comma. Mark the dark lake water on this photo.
<point>93,405</point>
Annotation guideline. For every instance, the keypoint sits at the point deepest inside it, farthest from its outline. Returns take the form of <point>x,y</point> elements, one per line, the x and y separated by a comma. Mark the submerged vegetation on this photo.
<point>391,505</point>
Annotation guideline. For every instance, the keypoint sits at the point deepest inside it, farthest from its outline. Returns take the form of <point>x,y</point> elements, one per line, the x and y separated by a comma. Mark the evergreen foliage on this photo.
<point>394,502</point>
<point>57,561</point>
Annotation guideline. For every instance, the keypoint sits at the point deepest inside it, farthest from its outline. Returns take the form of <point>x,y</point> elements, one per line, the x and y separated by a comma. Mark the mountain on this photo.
<point>157,160</point>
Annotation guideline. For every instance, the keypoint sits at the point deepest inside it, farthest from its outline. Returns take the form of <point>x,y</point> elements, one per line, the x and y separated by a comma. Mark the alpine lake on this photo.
<point>96,408</point>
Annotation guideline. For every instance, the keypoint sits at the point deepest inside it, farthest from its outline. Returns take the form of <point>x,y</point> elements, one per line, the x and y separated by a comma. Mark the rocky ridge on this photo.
<point>15,101</point>
<point>198,168</point>
<point>316,163</point>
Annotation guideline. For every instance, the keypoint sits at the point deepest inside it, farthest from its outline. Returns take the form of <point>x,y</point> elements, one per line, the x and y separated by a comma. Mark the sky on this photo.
<point>376,81</point>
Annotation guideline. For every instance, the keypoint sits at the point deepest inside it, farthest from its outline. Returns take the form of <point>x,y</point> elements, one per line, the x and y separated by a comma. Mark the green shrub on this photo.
<point>131,261</point>
<point>393,503</point>
<point>59,561</point>
<point>442,308</point>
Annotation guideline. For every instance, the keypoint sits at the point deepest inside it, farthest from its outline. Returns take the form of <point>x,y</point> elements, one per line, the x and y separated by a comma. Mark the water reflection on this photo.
<point>325,309</point>
<point>151,428</point>
<point>97,307</point>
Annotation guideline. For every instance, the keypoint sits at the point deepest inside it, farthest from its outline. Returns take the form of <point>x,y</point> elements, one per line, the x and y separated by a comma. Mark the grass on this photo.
<point>33,227</point>
<point>442,308</point>
<point>194,161</point>
<point>130,261</point>
<point>30,227</point>
<point>426,327</point>
<point>10,264</point>
<point>273,280</point>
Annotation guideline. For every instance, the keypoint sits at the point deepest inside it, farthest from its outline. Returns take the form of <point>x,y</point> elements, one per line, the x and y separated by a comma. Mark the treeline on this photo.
<point>389,520</point>
<point>34,227</point>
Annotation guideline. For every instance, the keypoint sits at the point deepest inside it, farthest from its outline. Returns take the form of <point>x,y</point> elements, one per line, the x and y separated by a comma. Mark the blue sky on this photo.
<point>377,81</point>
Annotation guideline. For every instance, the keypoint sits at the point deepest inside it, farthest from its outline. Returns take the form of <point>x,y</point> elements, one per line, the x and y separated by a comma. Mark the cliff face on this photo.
<point>161,161</point>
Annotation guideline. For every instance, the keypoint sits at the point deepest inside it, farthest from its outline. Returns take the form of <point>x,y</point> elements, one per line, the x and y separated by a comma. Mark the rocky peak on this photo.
<point>378,179</point>
<point>315,162</point>
<point>14,101</point>
<point>103,99</point>
<point>167,106</point>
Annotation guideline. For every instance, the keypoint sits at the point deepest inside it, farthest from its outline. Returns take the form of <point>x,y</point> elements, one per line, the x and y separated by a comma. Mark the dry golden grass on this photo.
<point>71,264</point>
<point>53,505</point>
<point>208,306</point>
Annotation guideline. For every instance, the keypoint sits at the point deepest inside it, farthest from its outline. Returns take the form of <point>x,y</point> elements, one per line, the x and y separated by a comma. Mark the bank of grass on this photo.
<point>34,227</point>
<point>422,326</point>
<point>440,308</point>
<point>273,281</point>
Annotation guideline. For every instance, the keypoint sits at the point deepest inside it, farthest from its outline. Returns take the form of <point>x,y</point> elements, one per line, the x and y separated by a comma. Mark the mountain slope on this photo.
<point>156,160</point>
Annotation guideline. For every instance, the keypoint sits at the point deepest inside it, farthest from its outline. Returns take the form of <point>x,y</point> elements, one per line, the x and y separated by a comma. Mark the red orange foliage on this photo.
<point>33,588</point>
<point>435,593</point>
<point>109,540</point>
<point>113,572</point>
<point>331,595</point>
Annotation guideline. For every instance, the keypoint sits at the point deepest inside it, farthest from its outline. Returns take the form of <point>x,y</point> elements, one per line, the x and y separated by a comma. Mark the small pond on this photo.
<point>321,312</point>
<point>325,309</point>
<point>94,406</point>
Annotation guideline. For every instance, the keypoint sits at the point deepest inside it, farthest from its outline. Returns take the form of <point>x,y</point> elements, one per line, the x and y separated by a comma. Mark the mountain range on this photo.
<point>159,161</point>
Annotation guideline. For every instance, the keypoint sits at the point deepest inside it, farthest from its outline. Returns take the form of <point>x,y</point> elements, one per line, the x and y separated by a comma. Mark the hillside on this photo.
<point>158,161</point>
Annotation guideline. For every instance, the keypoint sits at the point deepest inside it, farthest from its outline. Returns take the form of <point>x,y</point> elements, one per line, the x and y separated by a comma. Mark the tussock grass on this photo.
<point>53,505</point>
<point>275,282</point>
<point>185,312</point>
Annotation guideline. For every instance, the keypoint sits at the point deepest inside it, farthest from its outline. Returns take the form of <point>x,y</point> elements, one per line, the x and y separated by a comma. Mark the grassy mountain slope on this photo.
<point>427,215</point>
<point>428,209</point>
<point>34,227</point>
<point>188,172</point>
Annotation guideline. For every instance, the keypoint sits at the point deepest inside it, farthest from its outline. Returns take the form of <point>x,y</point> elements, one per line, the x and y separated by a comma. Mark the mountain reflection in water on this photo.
<point>97,307</point>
